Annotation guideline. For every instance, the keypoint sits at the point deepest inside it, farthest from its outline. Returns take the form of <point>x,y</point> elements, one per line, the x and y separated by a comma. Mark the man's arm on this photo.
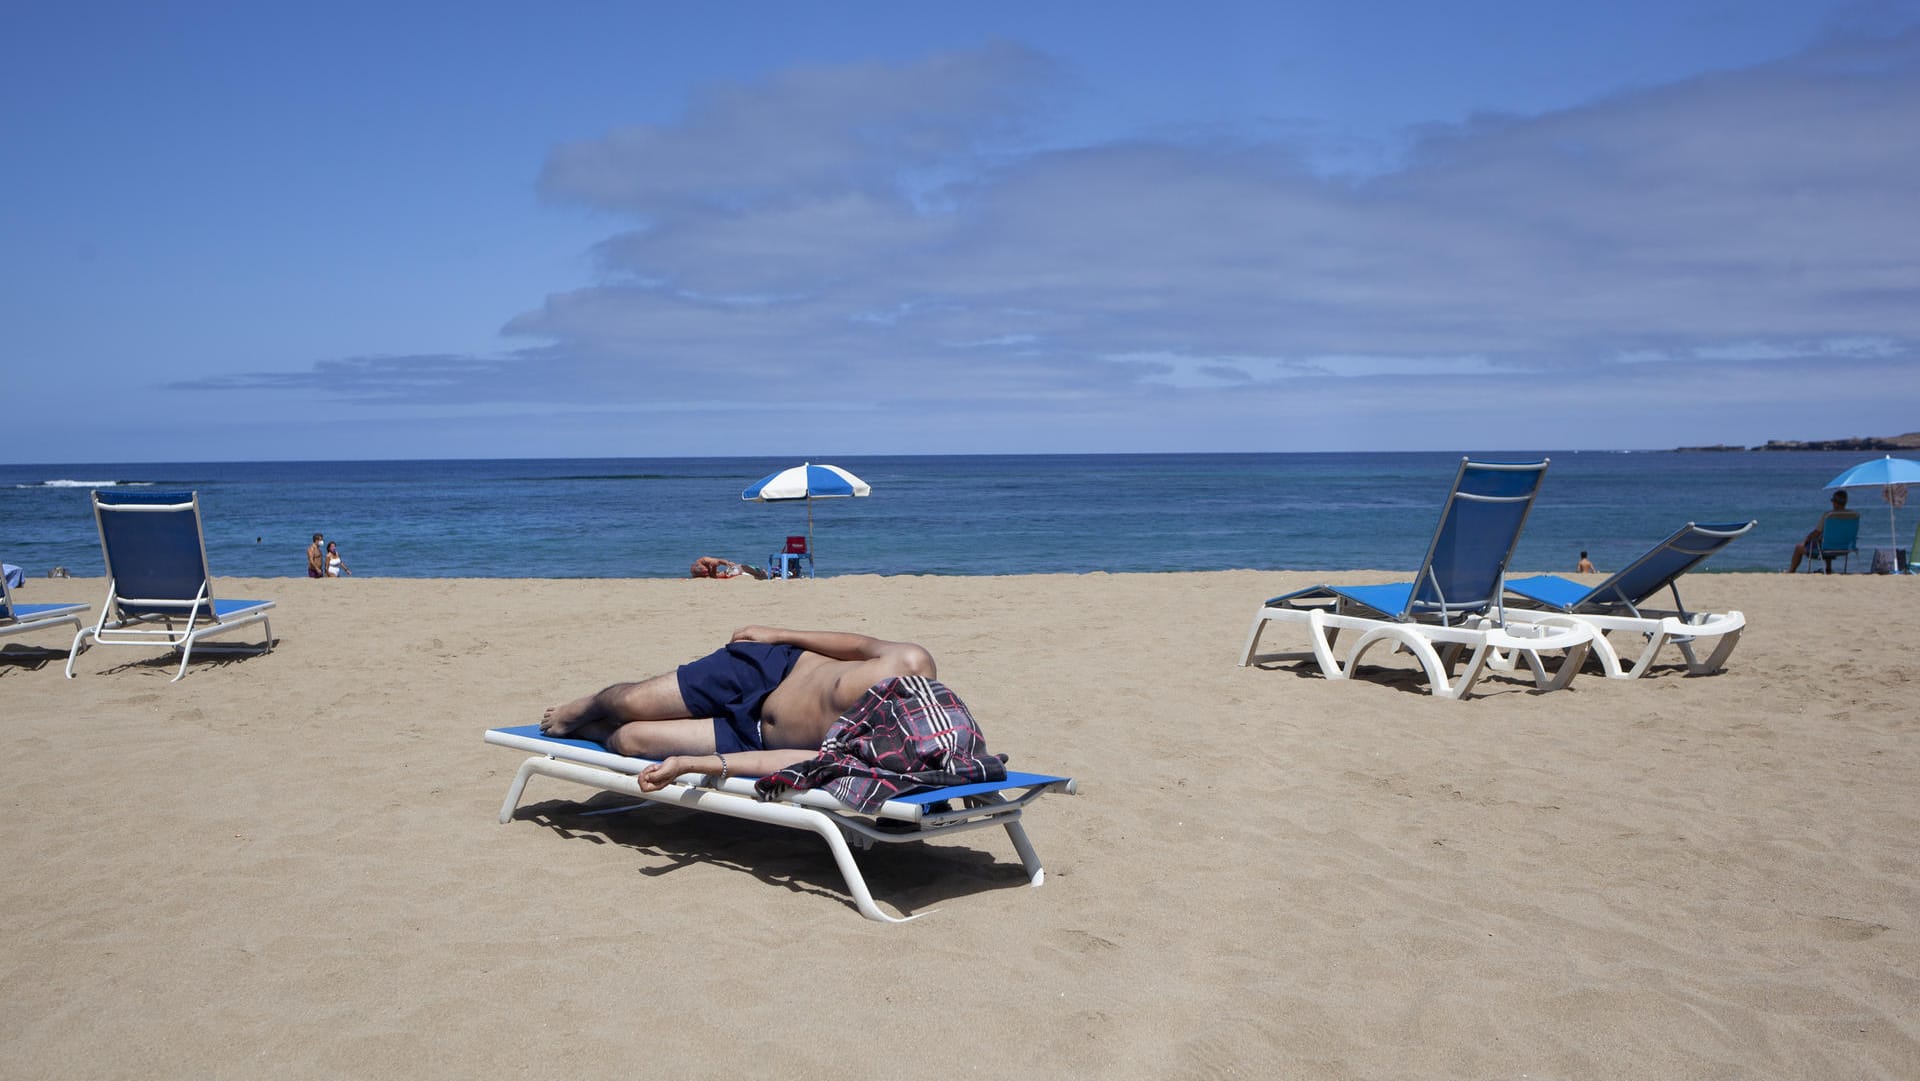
<point>739,764</point>
<point>844,646</point>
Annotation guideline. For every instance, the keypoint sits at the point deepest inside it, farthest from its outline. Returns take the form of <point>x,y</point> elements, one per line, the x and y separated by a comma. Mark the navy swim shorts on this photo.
<point>730,685</point>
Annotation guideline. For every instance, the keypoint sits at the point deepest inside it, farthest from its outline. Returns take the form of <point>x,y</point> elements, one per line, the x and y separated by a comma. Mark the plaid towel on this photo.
<point>905,733</point>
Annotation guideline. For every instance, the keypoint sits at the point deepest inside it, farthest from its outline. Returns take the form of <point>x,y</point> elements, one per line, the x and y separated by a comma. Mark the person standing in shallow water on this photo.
<point>316,558</point>
<point>1585,566</point>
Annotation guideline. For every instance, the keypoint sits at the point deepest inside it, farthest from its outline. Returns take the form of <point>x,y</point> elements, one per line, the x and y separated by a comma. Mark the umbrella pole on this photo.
<point>810,527</point>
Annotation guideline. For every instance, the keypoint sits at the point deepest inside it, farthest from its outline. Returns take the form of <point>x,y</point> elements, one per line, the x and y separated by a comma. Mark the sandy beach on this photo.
<point>288,865</point>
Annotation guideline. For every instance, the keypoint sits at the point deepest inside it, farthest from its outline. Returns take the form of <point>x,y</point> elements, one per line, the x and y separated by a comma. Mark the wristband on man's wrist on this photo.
<point>723,769</point>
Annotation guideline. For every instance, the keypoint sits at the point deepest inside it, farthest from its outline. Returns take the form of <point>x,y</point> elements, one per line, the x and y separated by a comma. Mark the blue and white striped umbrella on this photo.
<point>809,482</point>
<point>806,481</point>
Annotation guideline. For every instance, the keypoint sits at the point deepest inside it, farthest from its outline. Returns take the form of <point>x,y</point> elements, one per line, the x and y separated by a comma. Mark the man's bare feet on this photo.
<point>565,720</point>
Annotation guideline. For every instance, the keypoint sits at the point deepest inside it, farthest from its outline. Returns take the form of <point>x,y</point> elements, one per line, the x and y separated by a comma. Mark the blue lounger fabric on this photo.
<point>1633,585</point>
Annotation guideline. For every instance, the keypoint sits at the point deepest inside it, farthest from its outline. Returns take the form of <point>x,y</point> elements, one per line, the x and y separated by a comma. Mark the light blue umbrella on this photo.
<point>1889,474</point>
<point>809,482</point>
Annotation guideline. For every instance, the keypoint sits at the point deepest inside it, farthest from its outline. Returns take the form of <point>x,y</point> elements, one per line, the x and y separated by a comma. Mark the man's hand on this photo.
<point>745,764</point>
<point>756,634</point>
<point>661,773</point>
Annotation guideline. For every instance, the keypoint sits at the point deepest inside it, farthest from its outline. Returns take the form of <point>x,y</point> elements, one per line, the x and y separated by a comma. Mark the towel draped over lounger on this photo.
<point>905,733</point>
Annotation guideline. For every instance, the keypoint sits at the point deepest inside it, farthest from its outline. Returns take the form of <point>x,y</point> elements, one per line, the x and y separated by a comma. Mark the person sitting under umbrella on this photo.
<point>1809,547</point>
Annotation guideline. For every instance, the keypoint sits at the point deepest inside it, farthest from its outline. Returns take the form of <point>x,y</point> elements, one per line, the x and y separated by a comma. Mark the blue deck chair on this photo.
<point>159,592</point>
<point>793,561</point>
<point>913,817</point>
<point>1839,539</point>
<point>18,618</point>
<point>1620,605</point>
<point>1452,603</point>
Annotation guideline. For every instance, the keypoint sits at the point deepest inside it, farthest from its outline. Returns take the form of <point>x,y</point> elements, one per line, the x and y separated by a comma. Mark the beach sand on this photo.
<point>289,866</point>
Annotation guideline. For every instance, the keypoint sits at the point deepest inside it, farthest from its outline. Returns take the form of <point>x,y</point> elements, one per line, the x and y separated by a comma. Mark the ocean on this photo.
<point>957,515</point>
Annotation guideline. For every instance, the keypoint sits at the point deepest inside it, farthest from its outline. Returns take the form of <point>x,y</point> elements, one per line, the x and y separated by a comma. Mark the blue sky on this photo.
<point>246,231</point>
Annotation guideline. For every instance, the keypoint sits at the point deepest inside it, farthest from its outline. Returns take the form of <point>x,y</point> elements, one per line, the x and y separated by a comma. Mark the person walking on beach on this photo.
<point>762,703</point>
<point>335,567</point>
<point>316,558</point>
<point>1809,547</point>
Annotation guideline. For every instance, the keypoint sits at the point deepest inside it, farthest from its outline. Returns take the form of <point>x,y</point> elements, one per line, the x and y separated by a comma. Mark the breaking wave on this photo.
<point>64,483</point>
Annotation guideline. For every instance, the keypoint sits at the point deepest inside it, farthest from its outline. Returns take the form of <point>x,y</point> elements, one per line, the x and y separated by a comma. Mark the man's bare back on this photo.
<point>816,692</point>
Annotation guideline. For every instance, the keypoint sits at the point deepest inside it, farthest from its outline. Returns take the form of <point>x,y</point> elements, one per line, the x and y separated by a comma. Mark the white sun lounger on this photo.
<point>1452,605</point>
<point>914,817</point>
<point>1621,606</point>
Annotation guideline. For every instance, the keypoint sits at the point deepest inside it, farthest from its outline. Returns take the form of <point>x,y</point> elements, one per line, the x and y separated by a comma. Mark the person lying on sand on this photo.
<point>764,702</point>
<point>715,567</point>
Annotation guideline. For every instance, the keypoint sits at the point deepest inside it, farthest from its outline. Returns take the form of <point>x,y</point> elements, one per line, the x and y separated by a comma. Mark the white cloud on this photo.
<point>1167,369</point>
<point>866,233</point>
<point>808,131</point>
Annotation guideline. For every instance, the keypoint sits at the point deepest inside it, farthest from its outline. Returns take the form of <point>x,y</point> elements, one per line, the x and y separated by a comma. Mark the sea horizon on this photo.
<point>565,517</point>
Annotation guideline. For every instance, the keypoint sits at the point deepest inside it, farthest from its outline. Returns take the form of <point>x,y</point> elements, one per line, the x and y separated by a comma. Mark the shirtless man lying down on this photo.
<point>759,704</point>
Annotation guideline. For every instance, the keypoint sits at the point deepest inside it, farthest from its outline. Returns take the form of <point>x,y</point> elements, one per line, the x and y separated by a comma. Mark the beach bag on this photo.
<point>1884,561</point>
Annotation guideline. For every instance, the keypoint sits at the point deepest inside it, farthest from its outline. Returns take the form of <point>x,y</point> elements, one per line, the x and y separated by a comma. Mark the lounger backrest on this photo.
<point>1479,527</point>
<point>1840,531</point>
<point>155,557</point>
<point>1686,549</point>
<point>6,598</point>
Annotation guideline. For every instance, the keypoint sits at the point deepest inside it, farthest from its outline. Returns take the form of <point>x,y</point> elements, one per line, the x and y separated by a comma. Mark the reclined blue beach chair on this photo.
<point>1619,604</point>
<point>1453,601</point>
<point>20,618</point>
<point>913,817</point>
<point>1839,539</point>
<point>159,592</point>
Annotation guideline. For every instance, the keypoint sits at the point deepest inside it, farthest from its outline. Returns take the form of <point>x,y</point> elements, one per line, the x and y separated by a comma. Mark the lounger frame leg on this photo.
<point>1717,659</point>
<point>1029,859</point>
<point>79,640</point>
<point>1648,652</point>
<point>1321,639</point>
<point>1437,669</point>
<point>186,654</point>
<point>1253,638</point>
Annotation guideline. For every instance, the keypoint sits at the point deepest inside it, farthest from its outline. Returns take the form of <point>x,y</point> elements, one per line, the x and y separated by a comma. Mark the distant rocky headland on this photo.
<point>1910,441</point>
